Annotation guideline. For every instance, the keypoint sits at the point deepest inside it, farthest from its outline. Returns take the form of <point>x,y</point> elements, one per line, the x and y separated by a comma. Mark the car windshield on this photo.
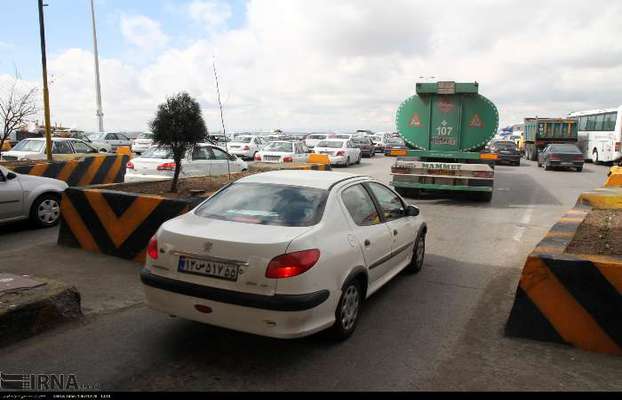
<point>266,204</point>
<point>317,137</point>
<point>396,141</point>
<point>242,139</point>
<point>145,136</point>
<point>158,152</point>
<point>333,144</point>
<point>565,148</point>
<point>97,136</point>
<point>29,145</point>
<point>279,146</point>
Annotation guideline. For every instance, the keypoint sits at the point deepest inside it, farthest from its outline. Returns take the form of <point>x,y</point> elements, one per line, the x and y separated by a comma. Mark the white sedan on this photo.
<point>339,151</point>
<point>28,196</point>
<point>157,163</point>
<point>35,149</point>
<point>282,152</point>
<point>284,254</point>
<point>245,146</point>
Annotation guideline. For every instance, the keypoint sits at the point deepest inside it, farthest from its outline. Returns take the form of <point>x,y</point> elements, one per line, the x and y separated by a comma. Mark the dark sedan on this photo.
<point>506,152</point>
<point>394,144</point>
<point>561,155</point>
<point>366,145</point>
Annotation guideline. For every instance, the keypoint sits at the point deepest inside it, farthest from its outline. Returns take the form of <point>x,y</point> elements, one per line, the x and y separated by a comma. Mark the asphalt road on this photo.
<point>438,330</point>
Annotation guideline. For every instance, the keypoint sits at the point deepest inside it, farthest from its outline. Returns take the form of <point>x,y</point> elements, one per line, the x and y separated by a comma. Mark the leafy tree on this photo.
<point>179,125</point>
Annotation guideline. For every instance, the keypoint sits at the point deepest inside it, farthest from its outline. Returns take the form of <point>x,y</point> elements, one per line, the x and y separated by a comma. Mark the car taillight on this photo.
<point>292,264</point>
<point>580,157</point>
<point>341,153</point>
<point>554,157</point>
<point>618,146</point>
<point>152,248</point>
<point>169,166</point>
<point>288,159</point>
<point>130,165</point>
<point>257,157</point>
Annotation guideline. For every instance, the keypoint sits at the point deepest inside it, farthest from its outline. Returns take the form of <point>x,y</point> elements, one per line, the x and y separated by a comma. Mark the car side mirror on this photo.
<point>412,211</point>
<point>10,176</point>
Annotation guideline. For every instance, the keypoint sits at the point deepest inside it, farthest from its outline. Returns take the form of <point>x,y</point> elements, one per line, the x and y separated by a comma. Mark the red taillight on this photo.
<point>257,157</point>
<point>618,146</point>
<point>288,159</point>
<point>292,264</point>
<point>341,153</point>
<point>152,248</point>
<point>555,157</point>
<point>580,157</point>
<point>130,165</point>
<point>169,166</point>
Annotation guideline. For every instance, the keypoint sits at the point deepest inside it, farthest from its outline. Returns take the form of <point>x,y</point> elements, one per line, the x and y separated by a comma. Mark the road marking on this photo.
<point>523,225</point>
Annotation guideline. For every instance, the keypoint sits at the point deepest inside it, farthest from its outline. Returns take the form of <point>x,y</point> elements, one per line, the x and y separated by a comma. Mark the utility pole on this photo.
<point>46,96</point>
<point>222,118</point>
<point>98,89</point>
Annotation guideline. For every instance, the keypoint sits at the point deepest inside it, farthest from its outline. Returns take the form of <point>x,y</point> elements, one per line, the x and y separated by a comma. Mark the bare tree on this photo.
<point>16,106</point>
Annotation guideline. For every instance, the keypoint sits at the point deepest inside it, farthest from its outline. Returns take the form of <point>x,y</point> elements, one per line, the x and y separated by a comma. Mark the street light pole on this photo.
<point>100,113</point>
<point>46,96</point>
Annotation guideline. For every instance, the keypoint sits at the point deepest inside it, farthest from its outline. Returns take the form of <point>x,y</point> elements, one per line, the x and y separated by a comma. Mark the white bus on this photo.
<point>600,134</point>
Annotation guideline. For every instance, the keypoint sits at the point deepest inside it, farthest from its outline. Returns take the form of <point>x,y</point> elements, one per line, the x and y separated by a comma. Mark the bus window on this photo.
<point>582,123</point>
<point>609,123</point>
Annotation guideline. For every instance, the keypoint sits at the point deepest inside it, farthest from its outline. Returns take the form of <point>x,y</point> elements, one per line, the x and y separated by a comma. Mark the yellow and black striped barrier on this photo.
<point>81,172</point>
<point>566,298</point>
<point>115,223</point>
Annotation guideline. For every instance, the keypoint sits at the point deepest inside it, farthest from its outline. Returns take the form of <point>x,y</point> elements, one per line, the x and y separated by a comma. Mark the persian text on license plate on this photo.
<point>212,269</point>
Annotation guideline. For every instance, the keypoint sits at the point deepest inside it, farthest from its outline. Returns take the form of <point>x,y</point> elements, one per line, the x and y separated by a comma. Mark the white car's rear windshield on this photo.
<point>279,147</point>
<point>157,152</point>
<point>29,145</point>
<point>333,144</point>
<point>145,136</point>
<point>246,139</point>
<point>266,204</point>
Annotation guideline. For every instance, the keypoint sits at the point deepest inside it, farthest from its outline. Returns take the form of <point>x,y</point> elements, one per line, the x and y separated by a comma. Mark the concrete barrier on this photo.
<point>569,298</point>
<point>115,223</point>
<point>614,178</point>
<point>321,159</point>
<point>80,172</point>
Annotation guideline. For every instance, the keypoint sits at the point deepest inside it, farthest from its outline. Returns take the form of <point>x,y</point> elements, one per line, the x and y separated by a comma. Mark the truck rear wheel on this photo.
<point>484,197</point>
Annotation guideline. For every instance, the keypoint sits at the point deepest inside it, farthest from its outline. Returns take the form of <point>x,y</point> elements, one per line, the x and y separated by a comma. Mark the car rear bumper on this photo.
<point>279,316</point>
<point>139,148</point>
<point>508,158</point>
<point>569,164</point>
<point>130,177</point>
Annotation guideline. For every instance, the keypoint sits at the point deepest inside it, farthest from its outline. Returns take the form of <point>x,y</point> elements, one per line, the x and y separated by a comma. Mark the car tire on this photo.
<point>103,151</point>
<point>373,154</point>
<point>347,162</point>
<point>547,167</point>
<point>348,310</point>
<point>416,262</point>
<point>579,169</point>
<point>45,210</point>
<point>539,164</point>
<point>359,160</point>
<point>595,156</point>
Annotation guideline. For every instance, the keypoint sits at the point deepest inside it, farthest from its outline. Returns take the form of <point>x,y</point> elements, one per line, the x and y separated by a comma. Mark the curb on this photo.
<point>568,298</point>
<point>29,312</point>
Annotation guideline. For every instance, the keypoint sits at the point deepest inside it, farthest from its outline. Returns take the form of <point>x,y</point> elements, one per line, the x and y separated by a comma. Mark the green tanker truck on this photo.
<point>446,125</point>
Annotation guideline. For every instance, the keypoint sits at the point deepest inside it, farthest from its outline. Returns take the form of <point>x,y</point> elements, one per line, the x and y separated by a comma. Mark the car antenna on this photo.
<point>222,118</point>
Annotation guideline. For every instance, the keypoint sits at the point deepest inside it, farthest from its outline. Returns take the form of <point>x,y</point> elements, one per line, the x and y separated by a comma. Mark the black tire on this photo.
<point>547,167</point>
<point>45,210</point>
<point>416,262</point>
<point>359,160</point>
<point>347,162</point>
<point>346,318</point>
<point>595,156</point>
<point>373,154</point>
<point>579,169</point>
<point>539,164</point>
<point>485,197</point>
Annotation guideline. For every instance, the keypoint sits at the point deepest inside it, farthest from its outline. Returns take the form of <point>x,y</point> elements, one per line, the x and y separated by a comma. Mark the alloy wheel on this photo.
<point>48,211</point>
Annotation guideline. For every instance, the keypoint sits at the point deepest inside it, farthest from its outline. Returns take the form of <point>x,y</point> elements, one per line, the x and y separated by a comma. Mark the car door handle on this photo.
<point>395,232</point>
<point>367,243</point>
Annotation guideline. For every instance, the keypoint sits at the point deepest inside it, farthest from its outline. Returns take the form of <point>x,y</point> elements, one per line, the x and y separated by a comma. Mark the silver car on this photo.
<point>29,197</point>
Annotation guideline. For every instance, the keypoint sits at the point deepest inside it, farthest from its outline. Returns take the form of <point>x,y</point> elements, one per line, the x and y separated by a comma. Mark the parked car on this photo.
<point>29,197</point>
<point>282,152</point>
<point>115,140</point>
<point>245,146</point>
<point>561,155</point>
<point>339,151</point>
<point>506,152</point>
<point>284,254</point>
<point>313,139</point>
<point>34,149</point>
<point>157,163</point>
<point>366,145</point>
<point>380,140</point>
<point>142,142</point>
<point>394,143</point>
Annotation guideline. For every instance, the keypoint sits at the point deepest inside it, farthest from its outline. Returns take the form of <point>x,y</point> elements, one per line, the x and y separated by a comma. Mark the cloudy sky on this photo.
<point>314,64</point>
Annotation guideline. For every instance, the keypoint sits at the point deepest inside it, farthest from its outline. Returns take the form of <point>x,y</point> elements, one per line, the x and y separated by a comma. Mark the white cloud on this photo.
<point>346,65</point>
<point>143,32</point>
<point>213,15</point>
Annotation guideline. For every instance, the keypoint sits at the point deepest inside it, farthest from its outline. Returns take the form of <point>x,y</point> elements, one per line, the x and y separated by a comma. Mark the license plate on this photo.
<point>567,163</point>
<point>326,152</point>
<point>213,269</point>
